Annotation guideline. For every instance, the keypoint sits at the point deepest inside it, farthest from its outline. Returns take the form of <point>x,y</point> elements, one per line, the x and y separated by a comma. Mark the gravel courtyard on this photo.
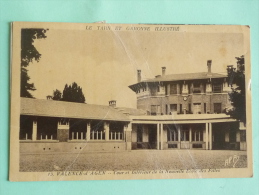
<point>133,160</point>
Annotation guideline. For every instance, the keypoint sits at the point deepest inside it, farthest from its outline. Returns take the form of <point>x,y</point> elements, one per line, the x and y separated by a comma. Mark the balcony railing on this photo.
<point>77,136</point>
<point>100,135</point>
<point>116,136</point>
<point>97,135</point>
<point>46,137</point>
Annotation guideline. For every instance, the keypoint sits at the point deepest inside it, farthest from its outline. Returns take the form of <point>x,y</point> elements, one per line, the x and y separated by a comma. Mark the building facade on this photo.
<point>187,110</point>
<point>191,93</point>
<point>179,111</point>
<point>57,126</point>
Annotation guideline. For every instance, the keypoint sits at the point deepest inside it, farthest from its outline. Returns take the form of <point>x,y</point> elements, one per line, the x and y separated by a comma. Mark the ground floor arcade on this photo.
<point>65,129</point>
<point>173,135</point>
<point>69,134</point>
<point>66,134</point>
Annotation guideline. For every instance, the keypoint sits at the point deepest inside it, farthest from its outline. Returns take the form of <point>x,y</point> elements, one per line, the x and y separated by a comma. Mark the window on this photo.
<point>97,130</point>
<point>185,135</point>
<point>155,109</point>
<point>116,130</point>
<point>173,108</point>
<point>196,88</point>
<point>197,135</point>
<point>77,129</point>
<point>158,88</point>
<point>153,91</point>
<point>217,88</point>
<point>181,108</point>
<point>172,135</point>
<point>205,108</point>
<point>173,88</point>
<point>197,108</point>
<point>217,108</point>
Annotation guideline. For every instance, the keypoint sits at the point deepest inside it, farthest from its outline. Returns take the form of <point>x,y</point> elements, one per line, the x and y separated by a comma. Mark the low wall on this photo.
<point>46,147</point>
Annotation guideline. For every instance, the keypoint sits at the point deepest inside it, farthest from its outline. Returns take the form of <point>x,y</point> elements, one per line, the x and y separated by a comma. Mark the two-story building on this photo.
<point>185,111</point>
<point>189,93</point>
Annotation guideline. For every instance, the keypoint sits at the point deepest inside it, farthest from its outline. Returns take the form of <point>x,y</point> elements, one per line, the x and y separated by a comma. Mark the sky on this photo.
<point>105,63</point>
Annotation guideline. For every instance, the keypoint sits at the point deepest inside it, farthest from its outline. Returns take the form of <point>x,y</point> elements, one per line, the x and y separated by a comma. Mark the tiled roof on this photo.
<point>186,76</point>
<point>51,108</point>
<point>131,111</point>
<point>179,77</point>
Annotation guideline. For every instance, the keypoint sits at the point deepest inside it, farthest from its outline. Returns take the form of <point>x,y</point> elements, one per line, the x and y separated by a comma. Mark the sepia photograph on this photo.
<point>102,101</point>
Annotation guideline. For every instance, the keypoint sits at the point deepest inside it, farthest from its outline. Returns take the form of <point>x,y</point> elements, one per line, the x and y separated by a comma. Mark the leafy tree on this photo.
<point>71,93</point>
<point>236,79</point>
<point>28,54</point>
<point>25,85</point>
<point>57,95</point>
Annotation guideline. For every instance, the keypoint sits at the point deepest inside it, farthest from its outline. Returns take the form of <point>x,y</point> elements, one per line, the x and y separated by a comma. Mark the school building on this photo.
<point>174,111</point>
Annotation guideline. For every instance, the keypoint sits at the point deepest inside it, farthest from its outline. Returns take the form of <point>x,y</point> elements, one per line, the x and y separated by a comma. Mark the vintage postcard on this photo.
<point>129,101</point>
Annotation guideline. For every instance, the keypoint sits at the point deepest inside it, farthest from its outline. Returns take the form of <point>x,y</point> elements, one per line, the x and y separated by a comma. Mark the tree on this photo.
<point>28,54</point>
<point>71,93</point>
<point>236,78</point>
<point>57,95</point>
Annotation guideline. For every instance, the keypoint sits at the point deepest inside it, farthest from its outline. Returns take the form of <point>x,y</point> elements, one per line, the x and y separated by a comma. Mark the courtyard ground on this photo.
<point>133,160</point>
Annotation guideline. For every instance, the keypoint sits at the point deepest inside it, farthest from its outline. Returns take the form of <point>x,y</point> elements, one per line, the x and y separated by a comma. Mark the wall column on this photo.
<point>206,136</point>
<point>179,136</point>
<point>107,130</point>
<point>158,136</point>
<point>190,136</point>
<point>88,131</point>
<point>210,134</point>
<point>127,134</point>
<point>162,135</point>
<point>34,130</point>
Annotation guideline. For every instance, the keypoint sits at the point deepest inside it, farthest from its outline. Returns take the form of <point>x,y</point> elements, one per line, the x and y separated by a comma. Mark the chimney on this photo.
<point>163,71</point>
<point>112,103</point>
<point>209,66</point>
<point>139,76</point>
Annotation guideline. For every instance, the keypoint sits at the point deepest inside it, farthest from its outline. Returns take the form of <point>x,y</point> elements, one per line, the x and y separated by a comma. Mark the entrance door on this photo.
<point>185,138</point>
